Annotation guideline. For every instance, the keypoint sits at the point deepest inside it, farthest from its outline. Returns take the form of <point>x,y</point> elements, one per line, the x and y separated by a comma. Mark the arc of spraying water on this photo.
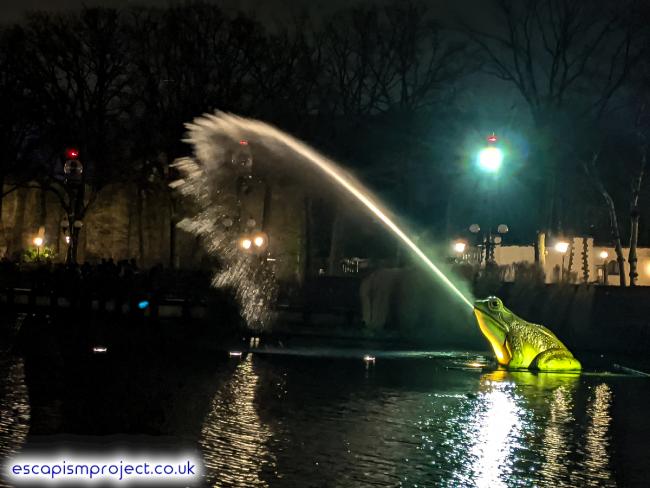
<point>238,127</point>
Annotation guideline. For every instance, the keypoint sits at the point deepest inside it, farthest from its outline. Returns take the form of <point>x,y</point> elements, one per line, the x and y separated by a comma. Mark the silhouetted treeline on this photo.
<point>385,88</point>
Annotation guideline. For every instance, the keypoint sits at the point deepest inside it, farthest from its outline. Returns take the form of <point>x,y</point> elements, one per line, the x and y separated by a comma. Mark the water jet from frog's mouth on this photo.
<point>202,134</point>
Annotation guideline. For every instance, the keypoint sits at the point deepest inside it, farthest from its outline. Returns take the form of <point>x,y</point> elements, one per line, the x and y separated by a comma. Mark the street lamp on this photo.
<point>490,159</point>
<point>38,242</point>
<point>562,247</point>
<point>604,255</point>
<point>74,184</point>
<point>257,242</point>
<point>489,241</point>
<point>460,246</point>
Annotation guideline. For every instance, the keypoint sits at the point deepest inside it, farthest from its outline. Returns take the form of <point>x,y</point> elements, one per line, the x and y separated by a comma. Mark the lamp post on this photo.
<point>490,157</point>
<point>73,173</point>
<point>38,242</point>
<point>489,161</point>
<point>489,241</point>
<point>459,246</point>
<point>604,255</point>
<point>562,247</point>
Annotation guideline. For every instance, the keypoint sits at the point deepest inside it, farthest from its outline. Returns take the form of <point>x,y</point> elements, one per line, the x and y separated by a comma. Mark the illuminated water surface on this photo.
<point>417,419</point>
<point>443,421</point>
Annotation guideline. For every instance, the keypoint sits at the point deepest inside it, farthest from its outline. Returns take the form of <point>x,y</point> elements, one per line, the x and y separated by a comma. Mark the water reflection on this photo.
<point>14,406</point>
<point>493,427</point>
<point>233,438</point>
<point>597,436</point>
<point>526,409</point>
<point>555,444</point>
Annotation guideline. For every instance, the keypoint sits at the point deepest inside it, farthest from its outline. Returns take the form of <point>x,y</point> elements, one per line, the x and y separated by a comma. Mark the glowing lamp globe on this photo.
<point>459,247</point>
<point>73,167</point>
<point>245,243</point>
<point>562,247</point>
<point>604,254</point>
<point>490,159</point>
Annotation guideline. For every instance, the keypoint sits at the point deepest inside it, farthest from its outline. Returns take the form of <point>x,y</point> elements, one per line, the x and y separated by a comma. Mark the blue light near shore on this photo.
<point>143,304</point>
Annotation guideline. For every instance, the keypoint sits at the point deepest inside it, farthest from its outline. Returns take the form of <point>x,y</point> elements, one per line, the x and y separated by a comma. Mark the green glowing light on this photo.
<point>490,159</point>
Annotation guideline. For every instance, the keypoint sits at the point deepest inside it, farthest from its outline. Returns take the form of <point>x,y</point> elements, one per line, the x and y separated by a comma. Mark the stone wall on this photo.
<point>116,225</point>
<point>123,223</point>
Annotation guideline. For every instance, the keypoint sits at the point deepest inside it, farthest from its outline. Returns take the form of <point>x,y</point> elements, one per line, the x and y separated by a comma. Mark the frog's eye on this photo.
<point>494,304</point>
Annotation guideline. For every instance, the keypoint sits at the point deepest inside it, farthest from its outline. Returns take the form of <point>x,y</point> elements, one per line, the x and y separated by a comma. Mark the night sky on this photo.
<point>12,10</point>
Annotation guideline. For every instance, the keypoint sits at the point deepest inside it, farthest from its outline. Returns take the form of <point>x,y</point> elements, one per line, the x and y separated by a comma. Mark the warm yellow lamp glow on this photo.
<point>246,243</point>
<point>459,247</point>
<point>38,241</point>
<point>604,254</point>
<point>562,246</point>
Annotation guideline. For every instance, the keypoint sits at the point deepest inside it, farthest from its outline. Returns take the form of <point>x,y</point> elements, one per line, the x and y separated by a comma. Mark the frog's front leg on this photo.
<point>556,359</point>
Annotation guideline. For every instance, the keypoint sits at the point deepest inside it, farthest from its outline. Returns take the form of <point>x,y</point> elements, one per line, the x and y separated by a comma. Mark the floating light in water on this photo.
<point>143,304</point>
<point>475,364</point>
<point>234,354</point>
<point>99,349</point>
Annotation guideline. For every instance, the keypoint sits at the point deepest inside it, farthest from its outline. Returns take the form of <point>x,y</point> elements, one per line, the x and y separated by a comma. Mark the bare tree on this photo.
<point>79,74</point>
<point>16,117</point>
<point>568,60</point>
<point>395,57</point>
<point>591,171</point>
<point>637,184</point>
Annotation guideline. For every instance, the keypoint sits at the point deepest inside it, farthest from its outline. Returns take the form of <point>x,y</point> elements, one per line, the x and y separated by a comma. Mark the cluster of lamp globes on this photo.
<point>254,243</point>
<point>460,246</point>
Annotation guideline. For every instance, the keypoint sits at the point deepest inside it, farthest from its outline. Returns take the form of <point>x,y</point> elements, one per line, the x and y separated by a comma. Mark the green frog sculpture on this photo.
<point>519,344</point>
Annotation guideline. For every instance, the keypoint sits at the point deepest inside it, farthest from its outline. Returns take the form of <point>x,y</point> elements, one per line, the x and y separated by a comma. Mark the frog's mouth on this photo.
<point>496,334</point>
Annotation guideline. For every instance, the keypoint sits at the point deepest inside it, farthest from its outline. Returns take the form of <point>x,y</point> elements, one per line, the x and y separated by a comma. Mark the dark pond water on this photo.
<point>331,419</point>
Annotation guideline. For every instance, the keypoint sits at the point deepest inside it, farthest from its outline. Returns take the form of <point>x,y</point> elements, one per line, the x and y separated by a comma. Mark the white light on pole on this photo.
<point>490,159</point>
<point>562,247</point>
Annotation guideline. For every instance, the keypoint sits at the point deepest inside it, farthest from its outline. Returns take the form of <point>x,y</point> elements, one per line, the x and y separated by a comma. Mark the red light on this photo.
<point>243,143</point>
<point>492,138</point>
<point>71,153</point>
